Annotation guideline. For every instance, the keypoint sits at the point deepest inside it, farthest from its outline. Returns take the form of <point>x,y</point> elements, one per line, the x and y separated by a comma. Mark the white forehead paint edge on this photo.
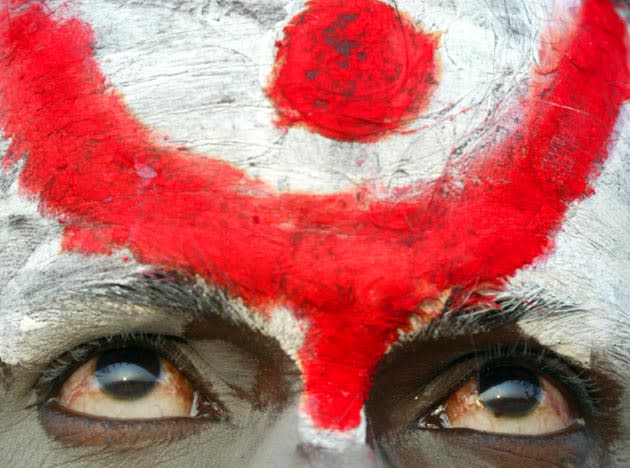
<point>36,275</point>
<point>589,268</point>
<point>36,280</point>
<point>590,265</point>
<point>328,438</point>
<point>198,77</point>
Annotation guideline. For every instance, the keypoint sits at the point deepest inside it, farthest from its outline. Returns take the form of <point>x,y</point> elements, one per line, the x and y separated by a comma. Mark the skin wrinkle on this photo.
<point>528,460</point>
<point>6,376</point>
<point>266,13</point>
<point>479,449</point>
<point>600,326</point>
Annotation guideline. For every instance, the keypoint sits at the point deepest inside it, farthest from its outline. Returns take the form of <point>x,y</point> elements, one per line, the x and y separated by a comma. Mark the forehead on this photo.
<point>441,199</point>
<point>205,72</point>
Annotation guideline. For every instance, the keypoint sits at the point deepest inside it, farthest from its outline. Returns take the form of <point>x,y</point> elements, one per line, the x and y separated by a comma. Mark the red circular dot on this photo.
<point>352,71</point>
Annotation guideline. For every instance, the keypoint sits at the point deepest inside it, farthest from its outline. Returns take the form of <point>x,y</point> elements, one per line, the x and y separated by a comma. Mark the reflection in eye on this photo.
<point>129,383</point>
<point>504,398</point>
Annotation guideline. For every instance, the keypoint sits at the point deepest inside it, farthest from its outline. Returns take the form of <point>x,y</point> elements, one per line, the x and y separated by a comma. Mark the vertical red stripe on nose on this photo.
<point>354,267</point>
<point>352,70</point>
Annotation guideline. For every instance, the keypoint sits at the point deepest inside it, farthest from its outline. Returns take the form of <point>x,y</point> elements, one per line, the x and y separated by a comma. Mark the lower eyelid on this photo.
<point>73,429</point>
<point>571,447</point>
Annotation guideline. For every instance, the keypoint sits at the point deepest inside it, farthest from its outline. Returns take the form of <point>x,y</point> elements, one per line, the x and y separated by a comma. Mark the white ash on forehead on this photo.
<point>198,75</point>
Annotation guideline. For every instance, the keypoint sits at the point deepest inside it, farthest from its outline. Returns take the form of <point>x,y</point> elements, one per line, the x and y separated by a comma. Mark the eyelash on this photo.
<point>580,386</point>
<point>62,366</point>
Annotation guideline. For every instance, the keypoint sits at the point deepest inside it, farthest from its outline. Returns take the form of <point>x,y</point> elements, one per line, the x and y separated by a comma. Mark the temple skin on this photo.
<point>196,74</point>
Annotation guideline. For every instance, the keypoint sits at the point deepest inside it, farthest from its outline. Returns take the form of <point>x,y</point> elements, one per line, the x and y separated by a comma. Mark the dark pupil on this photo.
<point>508,390</point>
<point>127,373</point>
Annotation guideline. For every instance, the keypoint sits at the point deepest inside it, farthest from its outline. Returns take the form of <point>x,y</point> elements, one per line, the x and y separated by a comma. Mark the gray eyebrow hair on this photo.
<point>506,308</point>
<point>188,297</point>
<point>174,293</point>
<point>182,294</point>
<point>185,298</point>
<point>590,337</point>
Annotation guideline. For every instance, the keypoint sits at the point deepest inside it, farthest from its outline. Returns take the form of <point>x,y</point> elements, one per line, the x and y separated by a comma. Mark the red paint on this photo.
<point>352,70</point>
<point>355,267</point>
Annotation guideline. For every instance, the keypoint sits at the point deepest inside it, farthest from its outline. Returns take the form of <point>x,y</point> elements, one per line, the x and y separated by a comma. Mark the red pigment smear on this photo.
<point>355,267</point>
<point>352,70</point>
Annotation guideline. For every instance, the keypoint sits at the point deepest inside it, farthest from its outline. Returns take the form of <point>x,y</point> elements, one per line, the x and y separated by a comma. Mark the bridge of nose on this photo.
<point>286,439</point>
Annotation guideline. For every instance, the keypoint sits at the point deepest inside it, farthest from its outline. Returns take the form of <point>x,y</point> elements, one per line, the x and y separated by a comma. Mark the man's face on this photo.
<point>324,233</point>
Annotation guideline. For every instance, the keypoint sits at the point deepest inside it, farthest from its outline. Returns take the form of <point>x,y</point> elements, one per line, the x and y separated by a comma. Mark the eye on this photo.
<point>139,389</point>
<point>495,398</point>
<point>141,377</point>
<point>129,383</point>
<point>125,391</point>
<point>506,398</point>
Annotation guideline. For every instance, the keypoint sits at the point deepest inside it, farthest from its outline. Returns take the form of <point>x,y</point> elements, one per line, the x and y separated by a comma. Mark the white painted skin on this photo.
<point>195,73</point>
<point>204,72</point>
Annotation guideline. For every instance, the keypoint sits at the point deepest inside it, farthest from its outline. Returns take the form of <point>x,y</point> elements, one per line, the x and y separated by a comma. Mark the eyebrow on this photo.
<point>150,301</point>
<point>185,297</point>
<point>535,307</point>
<point>161,302</point>
<point>179,295</point>
<point>189,298</point>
